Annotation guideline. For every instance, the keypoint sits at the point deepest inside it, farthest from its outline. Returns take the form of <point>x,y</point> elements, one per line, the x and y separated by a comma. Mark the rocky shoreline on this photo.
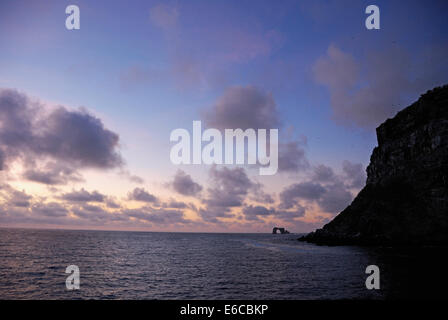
<point>405,200</point>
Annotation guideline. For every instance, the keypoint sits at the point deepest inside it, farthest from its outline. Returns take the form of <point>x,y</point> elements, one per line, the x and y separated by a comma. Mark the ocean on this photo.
<point>152,265</point>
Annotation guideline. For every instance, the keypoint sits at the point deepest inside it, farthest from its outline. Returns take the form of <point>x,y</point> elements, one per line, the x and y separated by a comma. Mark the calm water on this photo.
<point>146,265</point>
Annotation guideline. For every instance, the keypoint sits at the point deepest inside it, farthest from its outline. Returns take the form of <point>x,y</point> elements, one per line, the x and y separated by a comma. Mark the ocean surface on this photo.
<point>151,265</point>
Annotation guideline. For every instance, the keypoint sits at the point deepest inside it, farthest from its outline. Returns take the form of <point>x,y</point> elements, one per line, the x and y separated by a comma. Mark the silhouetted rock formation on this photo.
<point>405,200</point>
<point>282,230</point>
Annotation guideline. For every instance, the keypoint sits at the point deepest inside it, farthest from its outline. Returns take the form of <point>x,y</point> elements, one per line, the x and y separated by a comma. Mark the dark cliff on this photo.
<point>405,200</point>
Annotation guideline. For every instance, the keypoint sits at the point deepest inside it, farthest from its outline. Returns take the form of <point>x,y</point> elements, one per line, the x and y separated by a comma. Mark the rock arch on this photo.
<point>281,230</point>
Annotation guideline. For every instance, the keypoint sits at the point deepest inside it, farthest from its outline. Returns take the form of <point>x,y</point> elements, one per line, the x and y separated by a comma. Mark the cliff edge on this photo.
<point>405,200</point>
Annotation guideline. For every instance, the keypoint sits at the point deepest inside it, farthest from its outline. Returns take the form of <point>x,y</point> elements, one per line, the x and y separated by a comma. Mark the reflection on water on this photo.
<point>146,265</point>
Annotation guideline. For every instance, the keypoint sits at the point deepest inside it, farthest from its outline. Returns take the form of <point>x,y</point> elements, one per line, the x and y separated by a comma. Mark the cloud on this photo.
<point>354,173</point>
<point>175,204</point>
<point>243,107</point>
<point>76,209</point>
<point>330,198</point>
<point>388,81</point>
<point>323,173</point>
<point>51,173</point>
<point>112,204</point>
<point>157,216</point>
<point>184,184</point>
<point>136,179</point>
<point>292,157</point>
<point>164,16</point>
<point>257,194</point>
<point>228,190</point>
<point>131,177</point>
<point>212,214</point>
<point>303,190</point>
<point>226,197</point>
<point>250,107</point>
<point>290,215</point>
<point>17,198</point>
<point>140,194</point>
<point>335,199</point>
<point>51,209</point>
<point>253,213</point>
<point>95,214</point>
<point>83,196</point>
<point>230,186</point>
<point>53,143</point>
<point>330,191</point>
<point>80,138</point>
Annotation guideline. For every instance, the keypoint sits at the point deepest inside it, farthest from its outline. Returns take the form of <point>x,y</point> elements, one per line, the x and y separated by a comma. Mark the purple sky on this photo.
<point>86,115</point>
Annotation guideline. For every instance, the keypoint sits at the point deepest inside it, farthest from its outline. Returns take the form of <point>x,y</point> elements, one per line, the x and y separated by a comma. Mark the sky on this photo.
<point>86,115</point>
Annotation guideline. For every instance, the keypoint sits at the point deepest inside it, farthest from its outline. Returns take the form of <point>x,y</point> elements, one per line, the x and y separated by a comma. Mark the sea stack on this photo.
<point>405,200</point>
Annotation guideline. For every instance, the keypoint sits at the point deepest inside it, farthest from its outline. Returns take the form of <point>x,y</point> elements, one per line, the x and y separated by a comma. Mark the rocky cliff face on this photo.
<point>405,200</point>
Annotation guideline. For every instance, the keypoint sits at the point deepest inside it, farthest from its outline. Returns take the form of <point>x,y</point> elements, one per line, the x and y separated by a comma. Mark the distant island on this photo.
<point>405,200</point>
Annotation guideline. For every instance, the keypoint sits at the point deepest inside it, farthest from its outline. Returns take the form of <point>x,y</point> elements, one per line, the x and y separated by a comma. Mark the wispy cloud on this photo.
<point>365,94</point>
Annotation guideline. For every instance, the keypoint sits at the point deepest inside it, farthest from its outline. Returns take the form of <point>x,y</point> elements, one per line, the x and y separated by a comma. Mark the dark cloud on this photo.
<point>184,184</point>
<point>140,194</point>
<point>304,190</point>
<point>228,190</point>
<point>158,216</point>
<point>92,208</point>
<point>330,198</point>
<point>43,214</point>
<point>330,191</point>
<point>335,199</point>
<point>13,197</point>
<point>111,203</point>
<point>256,212</point>
<point>83,196</point>
<point>51,209</point>
<point>64,138</point>
<point>243,107</point>
<point>292,157</point>
<point>51,173</point>
<point>258,194</point>
<point>354,173</point>
<point>250,107</point>
<point>21,208</point>
<point>79,137</point>
<point>322,173</point>
<point>175,204</point>
<point>212,214</point>
<point>19,198</point>
<point>230,186</point>
<point>387,82</point>
<point>253,212</point>
<point>96,214</point>
<point>290,215</point>
<point>233,180</point>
